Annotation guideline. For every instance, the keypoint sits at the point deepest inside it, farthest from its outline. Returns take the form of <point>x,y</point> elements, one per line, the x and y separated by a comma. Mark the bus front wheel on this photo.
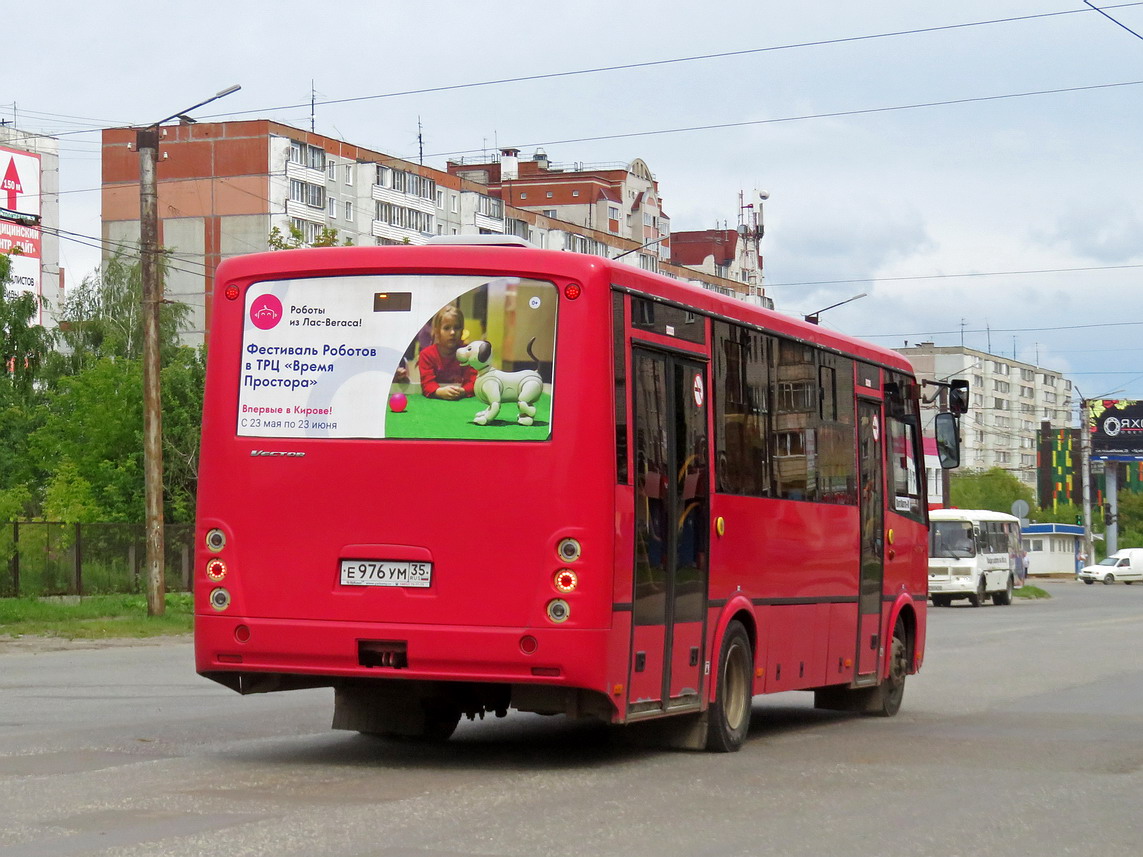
<point>730,713</point>
<point>977,598</point>
<point>887,700</point>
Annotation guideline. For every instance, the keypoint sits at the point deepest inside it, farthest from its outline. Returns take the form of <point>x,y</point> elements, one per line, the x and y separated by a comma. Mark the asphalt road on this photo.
<point>1023,735</point>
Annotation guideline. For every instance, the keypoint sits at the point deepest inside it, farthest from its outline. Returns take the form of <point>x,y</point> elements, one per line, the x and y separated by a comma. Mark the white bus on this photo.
<point>974,554</point>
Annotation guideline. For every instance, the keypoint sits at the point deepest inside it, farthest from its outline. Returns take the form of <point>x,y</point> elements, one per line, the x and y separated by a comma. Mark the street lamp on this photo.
<point>147,142</point>
<point>640,247</point>
<point>812,318</point>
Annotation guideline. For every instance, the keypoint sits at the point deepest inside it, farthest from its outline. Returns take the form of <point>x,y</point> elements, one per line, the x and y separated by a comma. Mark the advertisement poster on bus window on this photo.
<point>397,356</point>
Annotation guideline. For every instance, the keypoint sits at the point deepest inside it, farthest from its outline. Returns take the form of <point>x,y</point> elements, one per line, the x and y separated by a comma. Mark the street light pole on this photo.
<point>812,318</point>
<point>147,143</point>
<point>1085,483</point>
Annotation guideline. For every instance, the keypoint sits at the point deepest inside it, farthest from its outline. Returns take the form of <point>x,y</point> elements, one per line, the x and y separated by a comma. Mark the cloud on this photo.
<point>1109,232</point>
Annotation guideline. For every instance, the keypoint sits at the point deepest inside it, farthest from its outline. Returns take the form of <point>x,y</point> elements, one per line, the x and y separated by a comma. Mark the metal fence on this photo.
<point>46,558</point>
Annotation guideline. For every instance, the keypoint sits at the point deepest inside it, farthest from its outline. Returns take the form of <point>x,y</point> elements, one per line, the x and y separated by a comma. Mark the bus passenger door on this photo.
<point>871,440</point>
<point>672,521</point>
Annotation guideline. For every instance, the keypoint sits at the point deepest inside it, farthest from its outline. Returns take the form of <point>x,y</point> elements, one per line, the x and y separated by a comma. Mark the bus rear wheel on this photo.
<point>729,719</point>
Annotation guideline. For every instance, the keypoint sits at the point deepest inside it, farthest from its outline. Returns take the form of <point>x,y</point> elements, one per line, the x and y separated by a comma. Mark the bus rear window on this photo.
<point>398,356</point>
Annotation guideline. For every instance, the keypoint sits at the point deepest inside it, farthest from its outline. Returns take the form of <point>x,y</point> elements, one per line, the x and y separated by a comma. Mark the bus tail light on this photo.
<point>232,292</point>
<point>558,610</point>
<point>572,291</point>
<point>216,570</point>
<point>566,580</point>
<point>215,540</point>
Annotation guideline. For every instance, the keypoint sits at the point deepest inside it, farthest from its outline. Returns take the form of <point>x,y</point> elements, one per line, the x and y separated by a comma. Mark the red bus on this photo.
<point>448,480</point>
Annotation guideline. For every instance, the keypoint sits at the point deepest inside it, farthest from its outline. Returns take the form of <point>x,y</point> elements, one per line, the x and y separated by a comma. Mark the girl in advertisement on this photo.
<point>442,377</point>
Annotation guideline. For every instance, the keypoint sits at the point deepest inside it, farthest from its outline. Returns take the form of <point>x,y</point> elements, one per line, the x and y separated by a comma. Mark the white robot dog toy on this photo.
<point>495,387</point>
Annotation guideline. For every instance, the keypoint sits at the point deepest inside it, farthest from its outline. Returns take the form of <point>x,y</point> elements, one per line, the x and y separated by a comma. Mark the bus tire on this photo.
<point>1004,596</point>
<point>441,720</point>
<point>729,719</point>
<point>889,694</point>
<point>977,598</point>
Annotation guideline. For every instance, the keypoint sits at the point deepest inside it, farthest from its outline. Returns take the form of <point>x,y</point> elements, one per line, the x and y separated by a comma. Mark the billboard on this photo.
<point>20,235</point>
<point>1116,427</point>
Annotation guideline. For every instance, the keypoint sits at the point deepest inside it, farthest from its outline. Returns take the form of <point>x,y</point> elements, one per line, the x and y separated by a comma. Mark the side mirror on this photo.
<point>958,396</point>
<point>948,440</point>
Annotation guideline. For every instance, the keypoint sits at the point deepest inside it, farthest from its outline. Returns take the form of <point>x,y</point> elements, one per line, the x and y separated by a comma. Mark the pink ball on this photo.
<point>398,402</point>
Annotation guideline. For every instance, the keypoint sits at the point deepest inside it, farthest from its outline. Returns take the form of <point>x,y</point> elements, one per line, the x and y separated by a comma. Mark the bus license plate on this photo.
<point>376,572</point>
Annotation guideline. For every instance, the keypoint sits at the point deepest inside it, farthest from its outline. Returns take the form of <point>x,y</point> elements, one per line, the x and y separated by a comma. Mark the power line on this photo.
<point>676,60</point>
<point>1088,268</point>
<point>832,115</point>
<point>620,67</point>
<point>1003,330</point>
<point>1113,20</point>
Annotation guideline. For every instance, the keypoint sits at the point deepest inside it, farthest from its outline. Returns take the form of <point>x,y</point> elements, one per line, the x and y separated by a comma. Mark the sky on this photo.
<point>972,168</point>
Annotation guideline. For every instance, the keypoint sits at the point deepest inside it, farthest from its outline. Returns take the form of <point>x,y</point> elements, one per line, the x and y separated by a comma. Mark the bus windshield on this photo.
<point>398,356</point>
<point>951,539</point>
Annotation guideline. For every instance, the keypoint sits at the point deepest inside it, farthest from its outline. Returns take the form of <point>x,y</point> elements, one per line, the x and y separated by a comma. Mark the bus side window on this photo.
<point>742,427</point>
<point>905,456</point>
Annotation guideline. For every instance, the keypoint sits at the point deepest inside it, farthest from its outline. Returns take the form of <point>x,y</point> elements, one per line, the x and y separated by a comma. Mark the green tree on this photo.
<point>102,317</point>
<point>93,432</point>
<point>1130,507</point>
<point>1064,513</point>
<point>69,497</point>
<point>993,489</point>
<point>89,439</point>
<point>295,239</point>
<point>23,345</point>
<point>183,377</point>
<point>23,349</point>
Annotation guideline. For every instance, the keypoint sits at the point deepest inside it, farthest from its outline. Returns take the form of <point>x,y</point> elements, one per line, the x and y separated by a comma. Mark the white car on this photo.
<point>1125,565</point>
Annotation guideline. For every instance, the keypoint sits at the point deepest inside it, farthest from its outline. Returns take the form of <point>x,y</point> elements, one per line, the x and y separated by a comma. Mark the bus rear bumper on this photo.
<point>337,650</point>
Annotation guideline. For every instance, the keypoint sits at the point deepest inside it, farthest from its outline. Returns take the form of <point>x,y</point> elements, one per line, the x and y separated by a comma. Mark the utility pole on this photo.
<point>147,144</point>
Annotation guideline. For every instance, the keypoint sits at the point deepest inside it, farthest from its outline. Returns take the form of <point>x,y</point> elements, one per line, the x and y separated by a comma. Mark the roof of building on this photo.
<point>692,248</point>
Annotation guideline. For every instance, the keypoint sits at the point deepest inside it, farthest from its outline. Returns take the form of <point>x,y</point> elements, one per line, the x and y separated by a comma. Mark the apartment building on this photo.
<point>616,199</point>
<point>30,217</point>
<point>223,187</point>
<point>731,253</point>
<point>1009,402</point>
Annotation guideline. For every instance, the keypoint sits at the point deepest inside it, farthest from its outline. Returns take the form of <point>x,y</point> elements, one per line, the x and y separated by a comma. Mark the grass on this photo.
<point>94,617</point>
<point>98,617</point>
